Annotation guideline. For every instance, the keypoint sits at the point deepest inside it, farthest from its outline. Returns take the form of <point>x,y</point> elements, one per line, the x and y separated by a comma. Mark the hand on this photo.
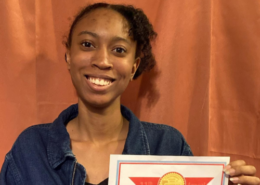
<point>240,173</point>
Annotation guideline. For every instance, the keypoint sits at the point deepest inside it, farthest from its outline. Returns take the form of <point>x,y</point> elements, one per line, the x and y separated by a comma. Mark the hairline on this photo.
<point>110,7</point>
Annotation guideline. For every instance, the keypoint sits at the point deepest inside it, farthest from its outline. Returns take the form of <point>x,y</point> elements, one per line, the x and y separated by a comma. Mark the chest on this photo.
<point>95,159</point>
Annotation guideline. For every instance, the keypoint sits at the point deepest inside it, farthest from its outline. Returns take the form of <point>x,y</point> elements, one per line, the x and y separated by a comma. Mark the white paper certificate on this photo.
<point>167,170</point>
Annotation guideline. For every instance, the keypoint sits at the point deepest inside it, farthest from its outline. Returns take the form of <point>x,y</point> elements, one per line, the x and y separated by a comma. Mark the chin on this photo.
<point>100,102</point>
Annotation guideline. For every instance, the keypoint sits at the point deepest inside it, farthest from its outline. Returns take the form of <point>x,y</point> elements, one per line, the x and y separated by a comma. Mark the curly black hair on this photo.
<point>141,30</point>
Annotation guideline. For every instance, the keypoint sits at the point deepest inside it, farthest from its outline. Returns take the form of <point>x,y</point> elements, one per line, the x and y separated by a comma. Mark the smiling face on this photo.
<point>101,59</point>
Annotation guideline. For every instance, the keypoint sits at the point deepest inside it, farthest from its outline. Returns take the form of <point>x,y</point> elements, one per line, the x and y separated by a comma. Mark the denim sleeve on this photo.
<point>9,174</point>
<point>186,150</point>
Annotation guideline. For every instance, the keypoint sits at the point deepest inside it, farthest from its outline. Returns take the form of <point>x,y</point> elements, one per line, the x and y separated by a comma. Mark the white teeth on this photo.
<point>102,82</point>
<point>99,81</point>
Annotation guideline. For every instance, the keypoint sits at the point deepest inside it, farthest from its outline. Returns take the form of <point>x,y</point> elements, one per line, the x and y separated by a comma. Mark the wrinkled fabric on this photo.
<point>42,155</point>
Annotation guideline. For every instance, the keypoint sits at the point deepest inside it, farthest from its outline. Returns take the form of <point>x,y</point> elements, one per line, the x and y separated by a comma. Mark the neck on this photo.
<point>100,125</point>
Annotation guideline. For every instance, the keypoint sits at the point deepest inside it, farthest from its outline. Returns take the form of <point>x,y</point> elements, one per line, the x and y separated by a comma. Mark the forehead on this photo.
<point>103,19</point>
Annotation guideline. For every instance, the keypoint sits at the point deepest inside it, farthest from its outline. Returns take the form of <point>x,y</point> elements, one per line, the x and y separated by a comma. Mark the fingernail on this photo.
<point>230,171</point>
<point>234,179</point>
<point>226,168</point>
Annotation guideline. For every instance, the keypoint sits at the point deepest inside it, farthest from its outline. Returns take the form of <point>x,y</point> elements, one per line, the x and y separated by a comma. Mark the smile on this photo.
<point>99,80</point>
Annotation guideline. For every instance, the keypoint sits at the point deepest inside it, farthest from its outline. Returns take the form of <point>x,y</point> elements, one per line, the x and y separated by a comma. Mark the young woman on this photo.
<point>108,46</point>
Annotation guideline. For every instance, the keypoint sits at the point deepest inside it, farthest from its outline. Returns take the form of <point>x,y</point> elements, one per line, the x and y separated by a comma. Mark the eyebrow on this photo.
<point>89,33</point>
<point>115,39</point>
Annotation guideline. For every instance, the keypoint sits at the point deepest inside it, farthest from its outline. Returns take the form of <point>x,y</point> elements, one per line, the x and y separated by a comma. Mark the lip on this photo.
<point>100,76</point>
<point>99,88</point>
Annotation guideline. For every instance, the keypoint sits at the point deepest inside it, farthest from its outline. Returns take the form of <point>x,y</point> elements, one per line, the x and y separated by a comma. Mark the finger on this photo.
<point>247,170</point>
<point>234,164</point>
<point>237,163</point>
<point>245,180</point>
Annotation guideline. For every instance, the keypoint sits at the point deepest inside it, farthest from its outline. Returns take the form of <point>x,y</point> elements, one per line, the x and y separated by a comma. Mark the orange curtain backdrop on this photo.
<point>206,83</point>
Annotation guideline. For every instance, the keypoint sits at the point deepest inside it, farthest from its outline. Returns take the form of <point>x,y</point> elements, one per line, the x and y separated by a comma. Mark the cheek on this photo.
<point>80,57</point>
<point>124,69</point>
<point>80,61</point>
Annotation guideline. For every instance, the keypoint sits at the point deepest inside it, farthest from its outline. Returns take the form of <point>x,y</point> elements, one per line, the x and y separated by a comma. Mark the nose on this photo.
<point>101,59</point>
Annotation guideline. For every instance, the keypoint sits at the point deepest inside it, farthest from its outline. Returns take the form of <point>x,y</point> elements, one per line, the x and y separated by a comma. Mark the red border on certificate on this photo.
<point>134,163</point>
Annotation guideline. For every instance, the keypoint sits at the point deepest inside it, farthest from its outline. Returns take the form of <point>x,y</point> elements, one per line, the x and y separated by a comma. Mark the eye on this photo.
<point>87,44</point>
<point>120,50</point>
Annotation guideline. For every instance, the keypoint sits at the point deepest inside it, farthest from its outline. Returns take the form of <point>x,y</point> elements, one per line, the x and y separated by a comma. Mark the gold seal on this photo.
<point>172,178</point>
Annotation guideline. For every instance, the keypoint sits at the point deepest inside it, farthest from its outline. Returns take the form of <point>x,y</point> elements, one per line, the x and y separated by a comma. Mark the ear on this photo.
<point>135,66</point>
<point>67,59</point>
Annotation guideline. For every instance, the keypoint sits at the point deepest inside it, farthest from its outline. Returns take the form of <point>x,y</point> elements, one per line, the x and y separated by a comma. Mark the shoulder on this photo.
<point>29,147</point>
<point>165,140</point>
<point>35,129</point>
<point>162,130</point>
<point>33,134</point>
<point>31,139</point>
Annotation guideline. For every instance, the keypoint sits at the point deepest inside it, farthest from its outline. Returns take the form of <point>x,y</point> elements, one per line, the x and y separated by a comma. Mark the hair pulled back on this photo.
<point>140,30</point>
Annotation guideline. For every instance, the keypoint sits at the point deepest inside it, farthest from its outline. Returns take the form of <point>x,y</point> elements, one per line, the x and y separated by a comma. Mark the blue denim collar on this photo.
<point>58,149</point>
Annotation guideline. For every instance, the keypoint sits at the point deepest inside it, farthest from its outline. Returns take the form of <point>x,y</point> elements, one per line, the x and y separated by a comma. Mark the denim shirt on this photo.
<point>42,154</point>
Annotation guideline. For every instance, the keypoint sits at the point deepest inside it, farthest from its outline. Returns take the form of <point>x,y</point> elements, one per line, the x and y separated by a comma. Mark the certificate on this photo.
<point>167,170</point>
